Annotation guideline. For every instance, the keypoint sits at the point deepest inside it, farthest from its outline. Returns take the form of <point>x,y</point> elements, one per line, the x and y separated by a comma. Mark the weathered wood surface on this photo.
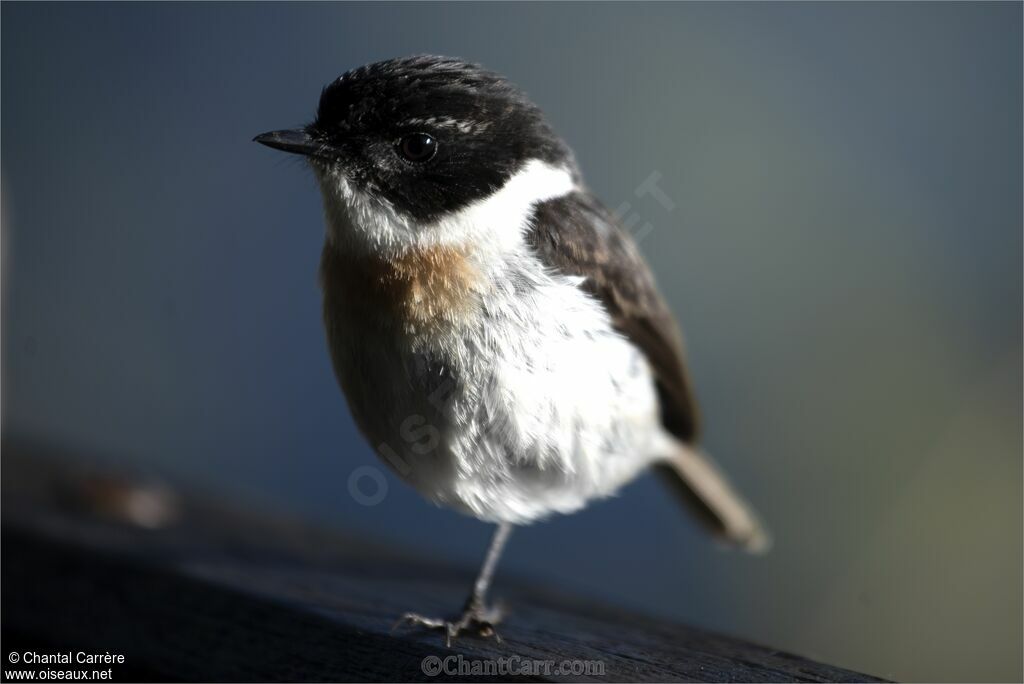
<point>189,590</point>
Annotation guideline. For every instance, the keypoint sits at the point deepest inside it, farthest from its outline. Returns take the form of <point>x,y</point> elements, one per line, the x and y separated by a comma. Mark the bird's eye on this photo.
<point>418,147</point>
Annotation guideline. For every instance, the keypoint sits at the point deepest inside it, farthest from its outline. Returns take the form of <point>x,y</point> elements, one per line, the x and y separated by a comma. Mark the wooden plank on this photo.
<point>208,593</point>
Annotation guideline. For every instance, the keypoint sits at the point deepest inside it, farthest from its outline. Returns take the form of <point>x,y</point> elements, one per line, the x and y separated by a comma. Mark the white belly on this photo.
<point>532,405</point>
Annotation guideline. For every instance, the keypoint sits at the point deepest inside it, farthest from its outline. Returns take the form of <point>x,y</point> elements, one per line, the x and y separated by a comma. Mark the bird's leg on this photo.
<point>476,616</point>
<point>476,611</point>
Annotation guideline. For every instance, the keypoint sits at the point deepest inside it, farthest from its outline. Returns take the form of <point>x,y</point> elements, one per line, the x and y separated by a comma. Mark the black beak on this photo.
<point>297,141</point>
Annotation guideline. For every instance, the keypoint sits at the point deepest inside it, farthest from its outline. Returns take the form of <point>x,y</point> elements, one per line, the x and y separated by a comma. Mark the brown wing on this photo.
<point>576,235</point>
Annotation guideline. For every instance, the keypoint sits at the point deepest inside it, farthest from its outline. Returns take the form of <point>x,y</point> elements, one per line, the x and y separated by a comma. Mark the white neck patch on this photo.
<point>359,222</point>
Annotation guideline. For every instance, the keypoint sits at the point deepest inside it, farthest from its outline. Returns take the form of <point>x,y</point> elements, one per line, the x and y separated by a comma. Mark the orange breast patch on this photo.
<point>418,289</point>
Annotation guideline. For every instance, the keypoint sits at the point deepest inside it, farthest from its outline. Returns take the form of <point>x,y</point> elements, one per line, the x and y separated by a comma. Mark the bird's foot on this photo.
<point>476,620</point>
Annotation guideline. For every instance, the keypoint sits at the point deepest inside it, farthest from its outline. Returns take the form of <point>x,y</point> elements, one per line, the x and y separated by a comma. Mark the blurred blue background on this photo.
<point>844,254</point>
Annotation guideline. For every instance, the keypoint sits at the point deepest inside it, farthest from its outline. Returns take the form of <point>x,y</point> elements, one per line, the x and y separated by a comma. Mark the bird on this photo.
<point>499,337</point>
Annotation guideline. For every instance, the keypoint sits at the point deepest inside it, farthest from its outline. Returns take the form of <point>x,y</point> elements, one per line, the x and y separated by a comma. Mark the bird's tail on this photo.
<point>698,483</point>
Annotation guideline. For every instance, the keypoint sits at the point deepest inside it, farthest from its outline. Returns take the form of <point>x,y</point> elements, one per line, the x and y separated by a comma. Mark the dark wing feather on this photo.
<point>576,235</point>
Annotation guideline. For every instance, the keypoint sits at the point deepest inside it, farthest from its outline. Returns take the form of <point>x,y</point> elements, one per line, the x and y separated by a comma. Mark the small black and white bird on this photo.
<point>499,338</point>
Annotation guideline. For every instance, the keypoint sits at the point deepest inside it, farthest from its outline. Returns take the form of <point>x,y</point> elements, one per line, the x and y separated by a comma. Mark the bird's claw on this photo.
<point>475,620</point>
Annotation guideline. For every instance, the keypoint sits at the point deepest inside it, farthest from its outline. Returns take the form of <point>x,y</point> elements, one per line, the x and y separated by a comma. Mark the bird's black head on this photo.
<point>429,135</point>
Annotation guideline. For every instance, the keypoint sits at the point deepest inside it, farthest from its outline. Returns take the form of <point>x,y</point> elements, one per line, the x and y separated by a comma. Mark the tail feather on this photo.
<point>707,493</point>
